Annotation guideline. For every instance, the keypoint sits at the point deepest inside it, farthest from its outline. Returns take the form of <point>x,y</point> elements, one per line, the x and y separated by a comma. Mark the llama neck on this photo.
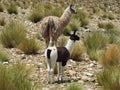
<point>65,18</point>
<point>70,45</point>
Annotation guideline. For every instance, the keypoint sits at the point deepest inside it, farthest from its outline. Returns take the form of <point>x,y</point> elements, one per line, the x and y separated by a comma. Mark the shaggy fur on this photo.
<point>52,27</point>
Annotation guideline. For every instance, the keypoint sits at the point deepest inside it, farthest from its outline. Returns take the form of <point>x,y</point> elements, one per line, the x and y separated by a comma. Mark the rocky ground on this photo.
<point>82,73</point>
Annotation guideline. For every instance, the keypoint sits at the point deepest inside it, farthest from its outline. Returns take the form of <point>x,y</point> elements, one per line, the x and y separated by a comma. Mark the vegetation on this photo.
<point>106,25</point>
<point>1,7</point>
<point>111,56</point>
<point>74,87</point>
<point>2,21</point>
<point>15,77</point>
<point>95,41</point>
<point>110,78</point>
<point>78,50</point>
<point>12,9</point>
<point>13,34</point>
<point>4,57</point>
<point>29,46</point>
<point>37,14</point>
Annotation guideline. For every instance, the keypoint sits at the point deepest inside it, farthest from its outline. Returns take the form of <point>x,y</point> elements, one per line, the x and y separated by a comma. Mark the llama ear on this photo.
<point>74,32</point>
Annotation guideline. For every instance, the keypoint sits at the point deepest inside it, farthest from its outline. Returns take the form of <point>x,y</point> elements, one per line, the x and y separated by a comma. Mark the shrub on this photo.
<point>15,77</point>
<point>84,22</point>
<point>102,25</point>
<point>12,9</point>
<point>110,78</point>
<point>109,15</point>
<point>13,34</point>
<point>29,46</point>
<point>111,57</point>
<point>2,21</point>
<point>1,7</point>
<point>62,41</point>
<point>75,24</point>
<point>106,25</point>
<point>67,30</point>
<point>4,57</point>
<point>109,26</point>
<point>96,40</point>
<point>74,87</point>
<point>78,50</point>
<point>37,14</point>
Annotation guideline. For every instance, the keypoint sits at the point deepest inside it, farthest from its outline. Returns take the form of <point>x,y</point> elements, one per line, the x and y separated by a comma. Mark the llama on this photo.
<point>52,27</point>
<point>61,55</point>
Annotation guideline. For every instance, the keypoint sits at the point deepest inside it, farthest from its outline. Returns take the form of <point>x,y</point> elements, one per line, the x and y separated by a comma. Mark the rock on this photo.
<point>85,78</point>
<point>5,63</point>
<point>88,74</point>
<point>92,64</point>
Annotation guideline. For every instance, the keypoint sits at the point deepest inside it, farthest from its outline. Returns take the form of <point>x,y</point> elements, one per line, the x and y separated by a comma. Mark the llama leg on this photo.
<point>60,72</point>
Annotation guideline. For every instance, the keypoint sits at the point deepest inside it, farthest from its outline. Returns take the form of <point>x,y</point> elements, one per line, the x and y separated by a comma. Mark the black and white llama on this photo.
<point>61,55</point>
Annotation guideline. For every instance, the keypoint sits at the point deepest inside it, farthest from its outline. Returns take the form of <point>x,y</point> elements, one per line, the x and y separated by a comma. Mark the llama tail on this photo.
<point>48,53</point>
<point>51,29</point>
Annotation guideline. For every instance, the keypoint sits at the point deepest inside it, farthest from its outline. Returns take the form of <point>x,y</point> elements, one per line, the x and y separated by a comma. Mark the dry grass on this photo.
<point>110,78</point>
<point>78,50</point>
<point>29,46</point>
<point>2,21</point>
<point>111,57</point>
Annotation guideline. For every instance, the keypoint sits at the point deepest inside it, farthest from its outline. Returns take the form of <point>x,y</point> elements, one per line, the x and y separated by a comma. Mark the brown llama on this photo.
<point>52,27</point>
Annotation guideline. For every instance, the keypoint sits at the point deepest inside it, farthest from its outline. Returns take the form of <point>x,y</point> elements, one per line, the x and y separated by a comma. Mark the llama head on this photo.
<point>73,36</point>
<point>72,9</point>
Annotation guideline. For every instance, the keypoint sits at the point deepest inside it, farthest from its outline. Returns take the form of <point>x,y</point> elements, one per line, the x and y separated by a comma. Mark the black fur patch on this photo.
<point>48,53</point>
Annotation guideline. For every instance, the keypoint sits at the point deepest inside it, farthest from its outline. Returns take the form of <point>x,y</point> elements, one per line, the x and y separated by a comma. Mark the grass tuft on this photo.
<point>13,34</point>
<point>29,46</point>
<point>78,50</point>
<point>110,78</point>
<point>74,87</point>
<point>111,57</point>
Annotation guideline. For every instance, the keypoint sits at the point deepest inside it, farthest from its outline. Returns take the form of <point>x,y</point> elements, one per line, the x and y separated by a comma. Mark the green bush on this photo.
<point>94,42</point>
<point>106,25</point>
<point>13,34</point>
<point>110,78</point>
<point>12,9</point>
<point>15,77</point>
<point>75,24</point>
<point>29,46</point>
<point>109,15</point>
<point>84,22</point>
<point>67,30</point>
<point>4,57</point>
<point>37,13</point>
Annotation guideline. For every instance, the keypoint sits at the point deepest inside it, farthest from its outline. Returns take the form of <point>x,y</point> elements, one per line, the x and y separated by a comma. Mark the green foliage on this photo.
<point>15,77</point>
<point>74,87</point>
<point>13,34</point>
<point>109,15</point>
<point>106,25</point>
<point>12,9</point>
<point>67,30</point>
<point>2,21</point>
<point>1,7</point>
<point>4,57</point>
<point>29,46</point>
<point>37,13</point>
<point>110,78</point>
<point>94,42</point>
<point>75,24</point>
